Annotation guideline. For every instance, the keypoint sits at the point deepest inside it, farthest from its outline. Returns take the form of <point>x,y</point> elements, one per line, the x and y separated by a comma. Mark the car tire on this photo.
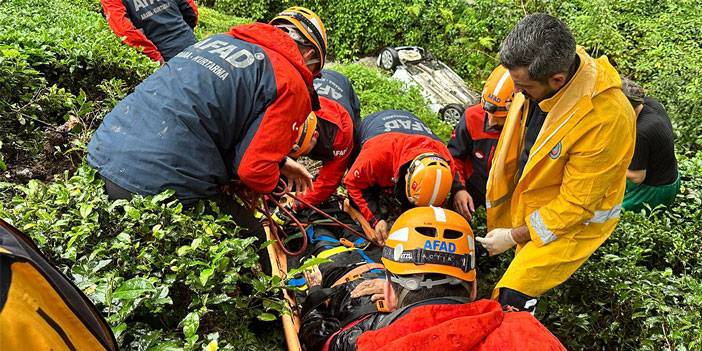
<point>452,113</point>
<point>388,59</point>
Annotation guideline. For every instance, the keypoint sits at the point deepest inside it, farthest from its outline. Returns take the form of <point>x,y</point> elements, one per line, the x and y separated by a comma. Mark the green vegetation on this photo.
<point>167,279</point>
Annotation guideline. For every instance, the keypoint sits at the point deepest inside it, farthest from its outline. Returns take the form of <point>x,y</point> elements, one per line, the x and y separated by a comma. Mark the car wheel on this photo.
<point>452,113</point>
<point>388,59</point>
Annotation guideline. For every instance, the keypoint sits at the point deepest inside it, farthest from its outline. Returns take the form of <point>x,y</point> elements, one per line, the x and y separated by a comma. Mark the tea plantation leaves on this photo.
<point>170,279</point>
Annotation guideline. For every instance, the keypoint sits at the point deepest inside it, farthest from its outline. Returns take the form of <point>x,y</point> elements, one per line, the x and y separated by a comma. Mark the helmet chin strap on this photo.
<point>417,282</point>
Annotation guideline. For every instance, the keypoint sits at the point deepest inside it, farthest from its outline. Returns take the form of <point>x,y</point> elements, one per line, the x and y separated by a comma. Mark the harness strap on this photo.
<point>357,272</point>
<point>335,251</point>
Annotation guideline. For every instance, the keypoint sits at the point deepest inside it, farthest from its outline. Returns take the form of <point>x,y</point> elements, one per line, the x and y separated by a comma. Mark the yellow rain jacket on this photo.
<point>572,186</point>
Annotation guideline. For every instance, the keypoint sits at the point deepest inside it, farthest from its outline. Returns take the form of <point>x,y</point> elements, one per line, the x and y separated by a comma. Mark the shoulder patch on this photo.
<point>555,152</point>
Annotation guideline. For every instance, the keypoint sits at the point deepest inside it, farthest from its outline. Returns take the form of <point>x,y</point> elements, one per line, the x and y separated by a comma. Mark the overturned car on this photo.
<point>446,91</point>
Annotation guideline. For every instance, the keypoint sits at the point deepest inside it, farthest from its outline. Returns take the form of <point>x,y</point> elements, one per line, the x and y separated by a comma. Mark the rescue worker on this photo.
<point>429,285</point>
<point>558,178</point>
<point>400,158</point>
<point>230,107</point>
<point>337,121</point>
<point>161,28</point>
<point>473,142</point>
<point>652,177</point>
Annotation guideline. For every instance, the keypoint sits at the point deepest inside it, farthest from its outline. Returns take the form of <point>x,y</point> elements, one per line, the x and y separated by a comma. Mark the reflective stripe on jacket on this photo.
<point>571,189</point>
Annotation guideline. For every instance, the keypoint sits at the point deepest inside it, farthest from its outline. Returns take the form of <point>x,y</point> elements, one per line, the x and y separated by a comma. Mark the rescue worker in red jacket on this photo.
<point>337,120</point>
<point>474,139</point>
<point>399,154</point>
<point>230,107</point>
<point>430,281</point>
<point>161,28</point>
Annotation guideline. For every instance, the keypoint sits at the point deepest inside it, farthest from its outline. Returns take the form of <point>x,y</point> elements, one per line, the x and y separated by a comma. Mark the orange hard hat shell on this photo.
<point>309,24</point>
<point>432,229</point>
<point>498,91</point>
<point>428,180</point>
<point>305,132</point>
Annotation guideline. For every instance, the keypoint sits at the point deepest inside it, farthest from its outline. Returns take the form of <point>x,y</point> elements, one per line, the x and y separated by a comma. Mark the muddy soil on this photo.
<point>37,154</point>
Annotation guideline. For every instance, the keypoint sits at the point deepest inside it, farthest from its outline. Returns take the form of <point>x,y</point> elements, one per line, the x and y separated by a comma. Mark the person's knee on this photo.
<point>516,301</point>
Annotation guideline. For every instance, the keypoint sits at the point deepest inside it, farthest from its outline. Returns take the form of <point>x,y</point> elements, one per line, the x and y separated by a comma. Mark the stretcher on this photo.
<point>279,266</point>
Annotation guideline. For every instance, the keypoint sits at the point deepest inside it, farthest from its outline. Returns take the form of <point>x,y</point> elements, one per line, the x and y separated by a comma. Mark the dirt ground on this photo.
<point>36,154</point>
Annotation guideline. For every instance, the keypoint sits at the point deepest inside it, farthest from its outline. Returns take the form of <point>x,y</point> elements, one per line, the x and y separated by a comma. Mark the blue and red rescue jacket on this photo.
<point>226,107</point>
<point>163,28</point>
<point>338,120</point>
<point>472,146</point>
<point>389,141</point>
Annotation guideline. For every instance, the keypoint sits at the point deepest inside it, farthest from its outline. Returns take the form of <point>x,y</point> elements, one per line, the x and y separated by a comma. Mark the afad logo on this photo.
<point>492,96</point>
<point>438,245</point>
<point>556,151</point>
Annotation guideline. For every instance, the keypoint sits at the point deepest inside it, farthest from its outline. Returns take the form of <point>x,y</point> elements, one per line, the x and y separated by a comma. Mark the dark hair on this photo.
<point>541,43</point>
<point>633,91</point>
<point>444,290</point>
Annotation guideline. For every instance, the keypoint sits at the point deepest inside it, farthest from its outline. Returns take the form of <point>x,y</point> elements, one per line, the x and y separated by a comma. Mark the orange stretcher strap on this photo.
<point>357,272</point>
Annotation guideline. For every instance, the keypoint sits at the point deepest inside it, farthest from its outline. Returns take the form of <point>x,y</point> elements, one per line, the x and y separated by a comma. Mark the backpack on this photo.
<point>40,308</point>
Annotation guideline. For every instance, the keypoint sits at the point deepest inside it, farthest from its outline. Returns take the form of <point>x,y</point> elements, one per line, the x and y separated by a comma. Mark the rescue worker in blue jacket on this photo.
<point>161,28</point>
<point>228,108</point>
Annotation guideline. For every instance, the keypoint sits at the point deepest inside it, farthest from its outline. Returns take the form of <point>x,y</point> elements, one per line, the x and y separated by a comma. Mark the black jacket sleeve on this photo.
<point>189,10</point>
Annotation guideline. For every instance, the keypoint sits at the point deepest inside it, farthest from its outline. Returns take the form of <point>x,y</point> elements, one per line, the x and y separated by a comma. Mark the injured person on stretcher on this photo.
<point>415,293</point>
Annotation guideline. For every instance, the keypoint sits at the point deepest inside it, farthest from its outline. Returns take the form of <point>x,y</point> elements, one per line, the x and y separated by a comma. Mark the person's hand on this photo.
<point>497,241</point>
<point>381,231</point>
<point>313,276</point>
<point>297,176</point>
<point>373,287</point>
<point>463,204</point>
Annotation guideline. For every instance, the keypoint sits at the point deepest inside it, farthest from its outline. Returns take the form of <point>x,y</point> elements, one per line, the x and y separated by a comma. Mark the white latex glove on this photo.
<point>497,241</point>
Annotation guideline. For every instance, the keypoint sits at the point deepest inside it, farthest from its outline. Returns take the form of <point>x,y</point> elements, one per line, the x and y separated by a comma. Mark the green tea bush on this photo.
<point>165,278</point>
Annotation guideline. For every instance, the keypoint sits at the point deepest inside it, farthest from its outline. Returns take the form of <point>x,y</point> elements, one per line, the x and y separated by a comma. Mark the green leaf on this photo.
<point>133,213</point>
<point>166,346</point>
<point>134,288</point>
<point>163,196</point>
<point>191,323</point>
<point>205,275</point>
<point>267,317</point>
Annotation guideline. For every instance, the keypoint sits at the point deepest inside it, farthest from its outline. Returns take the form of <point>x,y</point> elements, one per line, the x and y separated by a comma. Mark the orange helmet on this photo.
<point>309,25</point>
<point>428,180</point>
<point>305,133</point>
<point>430,240</point>
<point>497,93</point>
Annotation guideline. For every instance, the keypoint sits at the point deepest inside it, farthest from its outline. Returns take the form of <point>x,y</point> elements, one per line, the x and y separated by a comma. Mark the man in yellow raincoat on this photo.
<point>558,177</point>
